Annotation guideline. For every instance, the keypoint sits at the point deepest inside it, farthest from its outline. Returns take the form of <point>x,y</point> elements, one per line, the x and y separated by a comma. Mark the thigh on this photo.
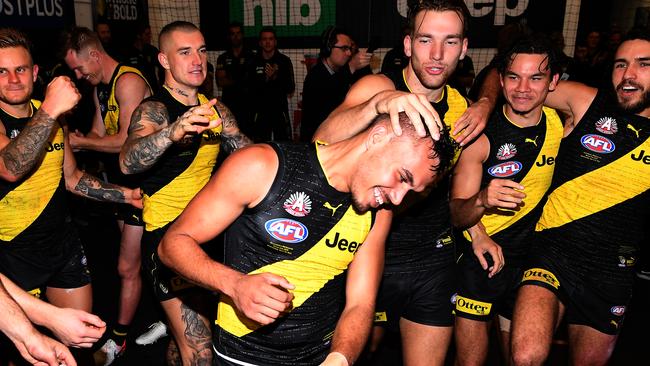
<point>76,298</point>
<point>536,315</point>
<point>130,244</point>
<point>432,297</point>
<point>588,346</point>
<point>424,344</point>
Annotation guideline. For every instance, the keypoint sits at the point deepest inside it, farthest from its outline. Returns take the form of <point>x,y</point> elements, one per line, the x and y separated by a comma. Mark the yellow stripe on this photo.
<point>25,203</point>
<point>597,190</point>
<point>167,203</point>
<point>536,181</point>
<point>111,120</point>
<point>309,272</point>
<point>471,306</point>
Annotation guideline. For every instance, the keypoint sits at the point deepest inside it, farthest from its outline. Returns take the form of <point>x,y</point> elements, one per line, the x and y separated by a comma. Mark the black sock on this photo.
<point>119,333</point>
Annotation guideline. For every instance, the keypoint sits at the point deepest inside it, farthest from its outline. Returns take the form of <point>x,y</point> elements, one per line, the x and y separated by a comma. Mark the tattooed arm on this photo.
<point>19,156</point>
<point>86,185</point>
<point>231,136</point>
<point>151,133</point>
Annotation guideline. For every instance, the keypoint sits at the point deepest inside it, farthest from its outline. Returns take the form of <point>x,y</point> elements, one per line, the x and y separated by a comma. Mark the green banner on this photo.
<point>289,18</point>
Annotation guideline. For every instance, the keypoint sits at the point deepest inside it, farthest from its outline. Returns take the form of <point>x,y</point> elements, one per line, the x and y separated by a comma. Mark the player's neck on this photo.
<point>108,68</point>
<point>528,119</point>
<point>17,110</point>
<point>267,55</point>
<point>184,94</point>
<point>340,160</point>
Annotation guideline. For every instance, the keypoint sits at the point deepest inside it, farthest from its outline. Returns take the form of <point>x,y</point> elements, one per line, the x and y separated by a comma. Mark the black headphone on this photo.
<point>328,40</point>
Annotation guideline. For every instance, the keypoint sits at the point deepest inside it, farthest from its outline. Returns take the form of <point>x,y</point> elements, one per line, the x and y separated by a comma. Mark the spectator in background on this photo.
<point>233,76</point>
<point>395,59</point>
<point>365,70</point>
<point>272,83</point>
<point>329,80</point>
<point>144,56</point>
<point>103,30</point>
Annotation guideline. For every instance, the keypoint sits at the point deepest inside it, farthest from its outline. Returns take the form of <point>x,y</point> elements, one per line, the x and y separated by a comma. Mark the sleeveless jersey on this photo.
<point>32,209</point>
<point>182,170</point>
<point>525,155</point>
<point>108,106</point>
<point>308,232</point>
<point>597,211</point>
<point>420,237</point>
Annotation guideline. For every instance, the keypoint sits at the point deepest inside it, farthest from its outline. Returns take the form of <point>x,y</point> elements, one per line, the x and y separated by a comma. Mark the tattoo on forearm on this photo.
<point>22,153</point>
<point>197,335</point>
<point>231,137</point>
<point>94,188</point>
<point>173,354</point>
<point>143,152</point>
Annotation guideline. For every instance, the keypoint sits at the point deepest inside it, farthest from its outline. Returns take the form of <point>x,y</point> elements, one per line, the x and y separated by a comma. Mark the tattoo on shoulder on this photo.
<point>155,112</point>
<point>22,153</point>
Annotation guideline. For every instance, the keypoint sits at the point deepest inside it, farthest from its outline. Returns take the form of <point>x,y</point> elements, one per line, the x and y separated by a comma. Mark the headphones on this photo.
<point>328,40</point>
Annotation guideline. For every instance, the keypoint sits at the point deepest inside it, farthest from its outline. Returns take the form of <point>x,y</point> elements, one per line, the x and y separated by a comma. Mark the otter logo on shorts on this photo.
<point>381,317</point>
<point>473,307</point>
<point>541,275</point>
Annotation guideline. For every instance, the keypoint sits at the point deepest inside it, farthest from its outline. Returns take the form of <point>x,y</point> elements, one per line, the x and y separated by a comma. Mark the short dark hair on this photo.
<point>445,149</point>
<point>179,25</point>
<point>10,37</point>
<point>268,29</point>
<point>236,25</point>
<point>536,44</point>
<point>457,6</point>
<point>641,33</point>
<point>77,39</point>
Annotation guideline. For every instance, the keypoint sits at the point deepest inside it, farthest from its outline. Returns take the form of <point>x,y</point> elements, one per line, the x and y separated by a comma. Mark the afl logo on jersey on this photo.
<point>618,310</point>
<point>503,170</point>
<point>506,151</point>
<point>286,230</point>
<point>607,125</point>
<point>298,204</point>
<point>598,144</point>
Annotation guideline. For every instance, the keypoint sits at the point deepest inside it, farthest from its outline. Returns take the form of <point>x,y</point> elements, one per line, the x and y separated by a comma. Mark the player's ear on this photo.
<point>162,58</point>
<point>378,135</point>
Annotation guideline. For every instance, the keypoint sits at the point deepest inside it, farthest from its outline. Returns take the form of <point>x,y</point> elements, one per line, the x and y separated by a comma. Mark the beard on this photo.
<point>627,105</point>
<point>426,80</point>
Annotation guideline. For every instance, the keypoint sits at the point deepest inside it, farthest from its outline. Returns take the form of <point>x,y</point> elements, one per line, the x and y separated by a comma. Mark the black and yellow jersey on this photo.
<point>182,170</point>
<point>33,208</point>
<point>598,208</point>
<point>307,232</point>
<point>421,237</point>
<point>527,156</point>
<point>109,108</point>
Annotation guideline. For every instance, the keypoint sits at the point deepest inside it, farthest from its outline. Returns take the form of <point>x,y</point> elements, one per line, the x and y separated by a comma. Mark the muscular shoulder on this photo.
<point>149,112</point>
<point>130,82</point>
<point>254,168</point>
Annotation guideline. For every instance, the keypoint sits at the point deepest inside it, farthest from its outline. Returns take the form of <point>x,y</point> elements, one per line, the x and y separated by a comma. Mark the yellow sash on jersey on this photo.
<point>536,181</point>
<point>112,117</point>
<point>25,203</point>
<point>597,190</point>
<point>167,203</point>
<point>309,272</point>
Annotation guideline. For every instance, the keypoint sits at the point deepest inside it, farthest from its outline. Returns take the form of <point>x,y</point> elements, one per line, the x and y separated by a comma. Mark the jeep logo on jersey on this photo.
<point>286,230</point>
<point>506,151</point>
<point>506,169</point>
<point>607,125</point>
<point>598,144</point>
<point>343,244</point>
<point>618,310</point>
<point>298,204</point>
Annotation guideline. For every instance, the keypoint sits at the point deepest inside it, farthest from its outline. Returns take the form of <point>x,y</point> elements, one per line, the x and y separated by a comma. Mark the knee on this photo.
<point>128,270</point>
<point>528,354</point>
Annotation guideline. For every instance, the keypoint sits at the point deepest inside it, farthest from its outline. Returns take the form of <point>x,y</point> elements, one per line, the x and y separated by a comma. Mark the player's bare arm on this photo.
<point>364,276</point>
<point>369,97</point>
<point>151,133</point>
<point>231,136</point>
<point>260,297</point>
<point>19,156</point>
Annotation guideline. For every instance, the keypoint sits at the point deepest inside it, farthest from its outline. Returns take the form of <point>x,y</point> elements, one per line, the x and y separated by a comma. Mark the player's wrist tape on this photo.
<point>336,358</point>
